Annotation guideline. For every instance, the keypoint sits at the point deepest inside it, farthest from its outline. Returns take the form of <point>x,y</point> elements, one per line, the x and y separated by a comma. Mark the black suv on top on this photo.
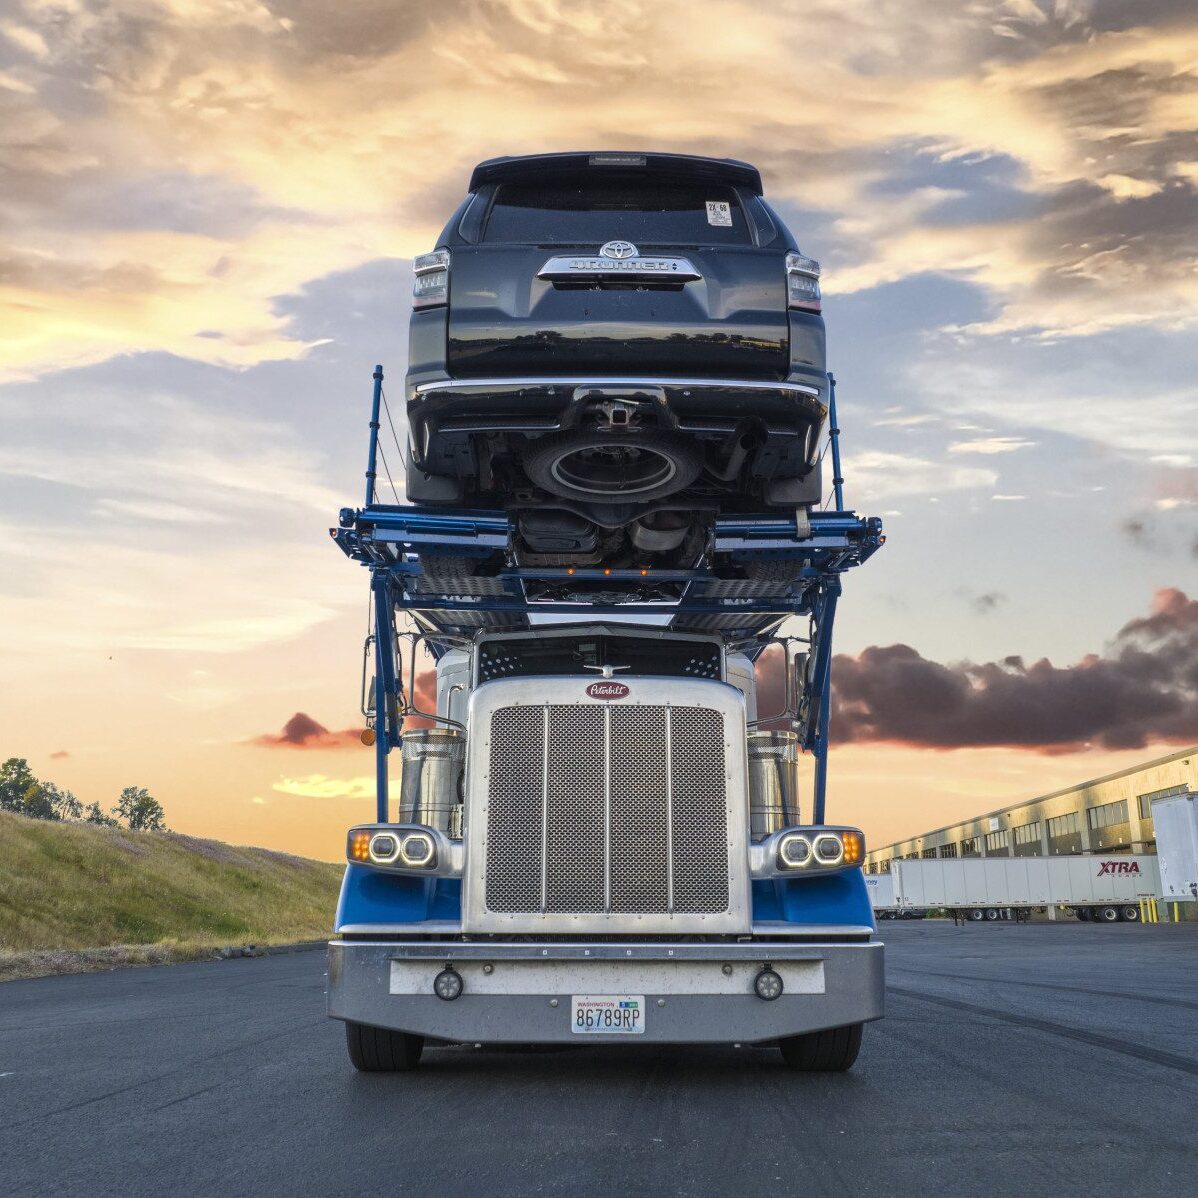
<point>614,347</point>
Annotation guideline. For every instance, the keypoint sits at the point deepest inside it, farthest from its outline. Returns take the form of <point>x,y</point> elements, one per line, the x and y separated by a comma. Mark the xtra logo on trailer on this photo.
<point>1118,867</point>
<point>608,690</point>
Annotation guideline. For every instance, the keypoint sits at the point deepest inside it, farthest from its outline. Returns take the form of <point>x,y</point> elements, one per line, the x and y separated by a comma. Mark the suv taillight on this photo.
<point>802,283</point>
<point>431,286</point>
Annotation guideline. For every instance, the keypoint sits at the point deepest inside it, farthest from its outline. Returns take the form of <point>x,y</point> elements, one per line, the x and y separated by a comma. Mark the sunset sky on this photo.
<point>208,211</point>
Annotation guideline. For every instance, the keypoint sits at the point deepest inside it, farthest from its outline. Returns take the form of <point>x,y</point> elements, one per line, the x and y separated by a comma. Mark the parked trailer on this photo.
<point>1105,889</point>
<point>881,897</point>
<point>1176,822</point>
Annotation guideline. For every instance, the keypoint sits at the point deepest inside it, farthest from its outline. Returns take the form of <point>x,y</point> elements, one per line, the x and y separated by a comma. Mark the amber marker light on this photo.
<point>358,848</point>
<point>853,846</point>
<point>368,736</point>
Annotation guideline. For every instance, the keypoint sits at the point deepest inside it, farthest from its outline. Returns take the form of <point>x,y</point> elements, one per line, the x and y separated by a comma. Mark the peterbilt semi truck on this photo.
<point>600,842</point>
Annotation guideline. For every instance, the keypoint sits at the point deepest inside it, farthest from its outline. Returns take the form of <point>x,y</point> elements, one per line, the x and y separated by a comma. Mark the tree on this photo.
<point>63,803</point>
<point>140,810</point>
<point>20,791</point>
<point>17,783</point>
<point>94,814</point>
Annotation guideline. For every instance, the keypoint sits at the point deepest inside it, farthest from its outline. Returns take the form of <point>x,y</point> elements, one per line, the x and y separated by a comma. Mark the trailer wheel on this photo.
<point>380,1050</point>
<point>1083,913</point>
<point>1130,914</point>
<point>831,1051</point>
<point>976,915</point>
<point>992,913</point>
<point>1107,914</point>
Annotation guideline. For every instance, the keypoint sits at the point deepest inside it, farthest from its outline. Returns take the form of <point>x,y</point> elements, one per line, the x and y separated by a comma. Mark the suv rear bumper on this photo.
<point>535,405</point>
<point>521,992</point>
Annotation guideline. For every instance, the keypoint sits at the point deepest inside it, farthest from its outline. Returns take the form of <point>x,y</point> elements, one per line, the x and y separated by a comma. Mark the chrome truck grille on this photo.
<point>607,814</point>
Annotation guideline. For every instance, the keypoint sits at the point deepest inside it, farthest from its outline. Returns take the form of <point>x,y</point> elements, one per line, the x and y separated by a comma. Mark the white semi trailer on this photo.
<point>1105,889</point>
<point>1175,820</point>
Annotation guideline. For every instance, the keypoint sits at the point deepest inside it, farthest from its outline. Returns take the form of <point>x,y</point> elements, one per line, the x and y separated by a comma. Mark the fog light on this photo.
<point>448,984</point>
<point>768,985</point>
<point>828,849</point>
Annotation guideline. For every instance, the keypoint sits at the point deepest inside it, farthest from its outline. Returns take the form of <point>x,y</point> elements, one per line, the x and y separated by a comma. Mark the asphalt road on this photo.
<point>1041,1059</point>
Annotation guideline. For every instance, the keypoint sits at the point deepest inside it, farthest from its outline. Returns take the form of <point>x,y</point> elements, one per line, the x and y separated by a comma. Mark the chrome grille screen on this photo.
<point>597,808</point>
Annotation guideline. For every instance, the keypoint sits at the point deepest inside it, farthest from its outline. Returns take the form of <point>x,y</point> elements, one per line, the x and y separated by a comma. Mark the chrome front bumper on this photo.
<point>520,992</point>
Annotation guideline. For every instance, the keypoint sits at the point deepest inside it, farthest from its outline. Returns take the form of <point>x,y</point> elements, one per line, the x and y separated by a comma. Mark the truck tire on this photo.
<point>627,468</point>
<point>1129,914</point>
<point>380,1050</point>
<point>831,1051</point>
<point>976,915</point>
<point>1106,914</point>
<point>993,913</point>
<point>1082,913</point>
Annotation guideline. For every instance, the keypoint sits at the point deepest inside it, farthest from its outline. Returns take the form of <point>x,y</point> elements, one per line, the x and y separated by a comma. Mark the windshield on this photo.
<point>591,210</point>
<point>641,657</point>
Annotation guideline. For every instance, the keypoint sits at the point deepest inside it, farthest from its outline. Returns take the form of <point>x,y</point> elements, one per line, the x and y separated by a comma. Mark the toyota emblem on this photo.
<point>619,249</point>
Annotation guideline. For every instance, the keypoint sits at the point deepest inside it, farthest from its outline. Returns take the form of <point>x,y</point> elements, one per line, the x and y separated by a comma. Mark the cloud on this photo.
<point>240,151</point>
<point>878,475</point>
<point>303,732</point>
<point>987,602</point>
<point>320,786</point>
<point>59,755</point>
<point>990,445</point>
<point>1142,690</point>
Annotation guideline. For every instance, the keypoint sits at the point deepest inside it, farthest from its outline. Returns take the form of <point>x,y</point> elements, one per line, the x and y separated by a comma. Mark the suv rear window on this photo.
<point>590,211</point>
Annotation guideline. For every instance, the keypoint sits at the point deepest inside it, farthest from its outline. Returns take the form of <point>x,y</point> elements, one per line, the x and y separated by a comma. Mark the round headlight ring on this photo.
<point>824,840</point>
<point>424,848</point>
<point>384,848</point>
<point>787,851</point>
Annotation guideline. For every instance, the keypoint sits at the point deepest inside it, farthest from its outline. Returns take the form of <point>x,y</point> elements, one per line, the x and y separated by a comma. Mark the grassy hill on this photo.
<point>146,896</point>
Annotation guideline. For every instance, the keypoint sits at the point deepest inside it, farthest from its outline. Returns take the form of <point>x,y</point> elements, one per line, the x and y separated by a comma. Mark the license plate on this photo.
<point>607,1014</point>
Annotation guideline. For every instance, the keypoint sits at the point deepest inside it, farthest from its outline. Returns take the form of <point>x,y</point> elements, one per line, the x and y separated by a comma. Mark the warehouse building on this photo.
<point>1107,815</point>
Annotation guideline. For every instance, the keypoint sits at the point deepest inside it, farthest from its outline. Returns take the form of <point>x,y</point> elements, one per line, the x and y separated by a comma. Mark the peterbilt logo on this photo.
<point>1118,867</point>
<point>607,690</point>
<point>618,249</point>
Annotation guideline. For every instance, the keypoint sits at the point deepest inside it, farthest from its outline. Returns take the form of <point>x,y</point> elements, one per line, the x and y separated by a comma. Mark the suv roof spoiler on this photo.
<point>726,170</point>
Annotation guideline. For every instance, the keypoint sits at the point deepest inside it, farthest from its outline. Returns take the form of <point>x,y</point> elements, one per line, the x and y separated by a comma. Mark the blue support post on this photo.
<point>386,711</point>
<point>375,411</point>
<point>822,682</point>
<point>834,441</point>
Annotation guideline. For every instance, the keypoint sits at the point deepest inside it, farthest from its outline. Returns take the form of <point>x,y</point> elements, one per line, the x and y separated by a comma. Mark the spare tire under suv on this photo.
<point>615,337</point>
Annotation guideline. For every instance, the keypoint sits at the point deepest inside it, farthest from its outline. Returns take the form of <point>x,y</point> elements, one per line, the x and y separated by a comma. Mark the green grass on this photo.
<point>75,886</point>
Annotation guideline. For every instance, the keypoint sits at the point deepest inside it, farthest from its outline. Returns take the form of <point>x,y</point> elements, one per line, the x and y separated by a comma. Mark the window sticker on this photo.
<point>719,212</point>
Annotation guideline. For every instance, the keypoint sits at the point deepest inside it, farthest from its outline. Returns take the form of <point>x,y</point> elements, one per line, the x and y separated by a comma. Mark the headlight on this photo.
<point>417,849</point>
<point>396,848</point>
<point>828,849</point>
<point>794,850</point>
<point>384,848</point>
<point>810,851</point>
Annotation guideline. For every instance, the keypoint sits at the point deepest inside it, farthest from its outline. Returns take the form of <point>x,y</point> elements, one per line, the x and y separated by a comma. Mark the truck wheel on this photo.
<point>1083,914</point>
<point>992,913</point>
<point>380,1050</point>
<point>1107,914</point>
<point>1130,914</point>
<point>976,914</point>
<point>831,1051</point>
